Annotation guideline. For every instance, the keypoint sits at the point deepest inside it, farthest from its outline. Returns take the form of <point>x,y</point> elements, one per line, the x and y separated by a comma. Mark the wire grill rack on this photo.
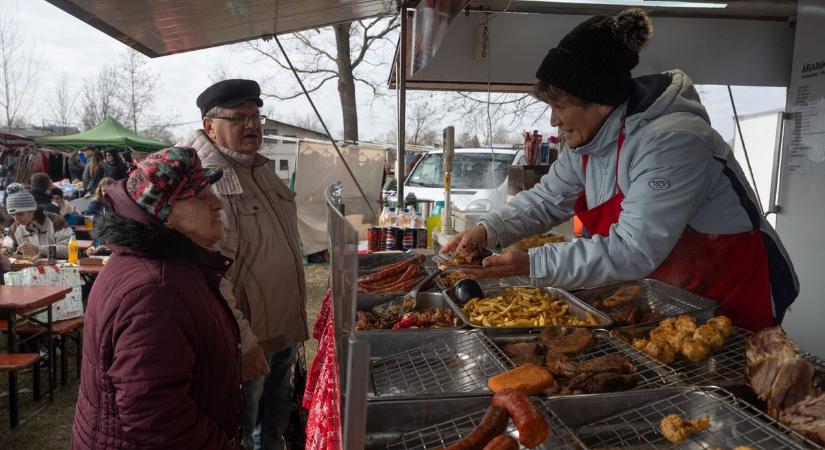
<point>733,423</point>
<point>455,363</point>
<point>650,373</point>
<point>443,434</point>
<point>661,298</point>
<point>724,367</point>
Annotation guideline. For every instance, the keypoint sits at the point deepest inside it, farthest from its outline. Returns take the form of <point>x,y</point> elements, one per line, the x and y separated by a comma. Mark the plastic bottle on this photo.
<point>73,250</point>
<point>8,243</point>
<point>434,223</point>
<point>392,218</point>
<point>404,218</point>
<point>384,217</point>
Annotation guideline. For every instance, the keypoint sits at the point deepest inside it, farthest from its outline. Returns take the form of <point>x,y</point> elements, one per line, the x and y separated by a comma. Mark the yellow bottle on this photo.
<point>434,223</point>
<point>73,250</point>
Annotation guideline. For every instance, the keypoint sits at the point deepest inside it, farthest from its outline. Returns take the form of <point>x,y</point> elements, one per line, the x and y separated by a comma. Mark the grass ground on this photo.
<point>49,429</point>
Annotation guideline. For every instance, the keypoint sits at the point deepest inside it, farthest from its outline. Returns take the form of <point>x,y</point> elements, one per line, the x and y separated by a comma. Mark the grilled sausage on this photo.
<point>502,442</point>
<point>411,271</point>
<point>401,286</point>
<point>492,424</point>
<point>392,269</point>
<point>532,428</point>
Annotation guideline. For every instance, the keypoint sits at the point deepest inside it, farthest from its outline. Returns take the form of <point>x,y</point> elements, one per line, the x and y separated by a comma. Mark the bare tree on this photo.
<point>483,113</point>
<point>219,72</point>
<point>308,121</point>
<point>18,70</point>
<point>63,104</point>
<point>422,118</point>
<point>138,87</point>
<point>159,133</point>
<point>346,52</point>
<point>468,140</point>
<point>101,97</point>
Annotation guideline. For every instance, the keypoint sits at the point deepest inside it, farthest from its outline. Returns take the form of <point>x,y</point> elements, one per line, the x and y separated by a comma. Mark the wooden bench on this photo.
<point>61,330</point>
<point>13,363</point>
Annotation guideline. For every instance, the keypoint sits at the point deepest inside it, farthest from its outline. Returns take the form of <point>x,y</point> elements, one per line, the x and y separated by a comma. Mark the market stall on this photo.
<point>429,384</point>
<point>628,376</point>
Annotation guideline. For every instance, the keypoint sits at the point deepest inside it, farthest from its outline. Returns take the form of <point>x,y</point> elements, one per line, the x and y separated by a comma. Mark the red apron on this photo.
<point>730,268</point>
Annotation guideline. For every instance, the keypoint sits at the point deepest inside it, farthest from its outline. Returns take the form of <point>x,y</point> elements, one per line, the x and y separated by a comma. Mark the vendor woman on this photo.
<point>657,190</point>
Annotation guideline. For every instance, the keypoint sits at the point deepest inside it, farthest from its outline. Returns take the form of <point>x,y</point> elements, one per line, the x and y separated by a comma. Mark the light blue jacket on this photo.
<point>675,172</point>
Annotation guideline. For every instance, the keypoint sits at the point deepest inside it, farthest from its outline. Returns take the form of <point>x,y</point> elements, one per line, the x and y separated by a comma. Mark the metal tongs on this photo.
<point>388,308</point>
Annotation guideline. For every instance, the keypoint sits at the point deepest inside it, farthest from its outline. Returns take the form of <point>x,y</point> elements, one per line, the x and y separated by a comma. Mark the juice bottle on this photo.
<point>434,223</point>
<point>73,250</point>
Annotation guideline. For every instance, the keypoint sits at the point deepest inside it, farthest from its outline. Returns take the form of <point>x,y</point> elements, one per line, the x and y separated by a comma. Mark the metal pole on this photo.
<point>401,85</point>
<point>326,130</point>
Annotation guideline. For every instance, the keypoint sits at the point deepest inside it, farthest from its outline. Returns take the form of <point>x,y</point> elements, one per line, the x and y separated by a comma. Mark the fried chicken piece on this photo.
<point>709,336</point>
<point>640,344</point>
<point>661,351</point>
<point>722,324</point>
<point>676,429</point>
<point>660,335</point>
<point>677,337</point>
<point>668,324</point>
<point>694,349</point>
<point>686,323</point>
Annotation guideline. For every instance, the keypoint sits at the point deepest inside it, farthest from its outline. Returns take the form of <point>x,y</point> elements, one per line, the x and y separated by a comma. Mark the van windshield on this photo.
<point>470,170</point>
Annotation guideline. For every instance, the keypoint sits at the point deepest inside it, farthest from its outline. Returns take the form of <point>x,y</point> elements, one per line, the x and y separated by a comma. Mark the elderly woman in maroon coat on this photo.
<point>161,364</point>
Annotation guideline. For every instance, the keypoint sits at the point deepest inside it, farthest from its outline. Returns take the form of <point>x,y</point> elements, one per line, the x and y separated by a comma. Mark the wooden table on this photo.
<point>83,244</point>
<point>27,302</point>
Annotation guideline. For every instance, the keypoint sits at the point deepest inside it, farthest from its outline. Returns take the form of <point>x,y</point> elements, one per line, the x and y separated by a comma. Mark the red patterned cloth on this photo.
<point>322,395</point>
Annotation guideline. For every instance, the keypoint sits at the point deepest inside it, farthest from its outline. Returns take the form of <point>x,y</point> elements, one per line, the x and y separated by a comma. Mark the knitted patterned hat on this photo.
<point>19,199</point>
<point>594,60</point>
<point>166,177</point>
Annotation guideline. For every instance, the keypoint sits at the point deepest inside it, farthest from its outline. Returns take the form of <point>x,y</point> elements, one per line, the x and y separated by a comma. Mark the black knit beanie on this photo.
<point>594,60</point>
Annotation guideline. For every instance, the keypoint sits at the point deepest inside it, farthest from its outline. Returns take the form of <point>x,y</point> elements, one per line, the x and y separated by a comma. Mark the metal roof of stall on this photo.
<point>164,27</point>
<point>747,42</point>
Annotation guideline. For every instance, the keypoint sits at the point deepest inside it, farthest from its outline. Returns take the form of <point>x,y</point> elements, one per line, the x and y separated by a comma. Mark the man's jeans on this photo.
<point>266,409</point>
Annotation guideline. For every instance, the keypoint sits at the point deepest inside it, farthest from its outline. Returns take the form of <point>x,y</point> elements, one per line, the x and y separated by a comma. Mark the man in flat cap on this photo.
<point>265,286</point>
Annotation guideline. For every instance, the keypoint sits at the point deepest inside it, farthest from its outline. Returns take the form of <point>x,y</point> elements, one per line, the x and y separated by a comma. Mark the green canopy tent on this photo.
<point>109,133</point>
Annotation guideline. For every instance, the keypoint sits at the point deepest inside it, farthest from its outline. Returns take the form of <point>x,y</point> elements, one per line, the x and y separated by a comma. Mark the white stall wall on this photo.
<point>801,222</point>
<point>319,166</point>
<point>756,53</point>
<point>759,131</point>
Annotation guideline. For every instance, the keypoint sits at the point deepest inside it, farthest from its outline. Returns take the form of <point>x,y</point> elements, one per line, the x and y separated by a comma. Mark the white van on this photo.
<point>479,177</point>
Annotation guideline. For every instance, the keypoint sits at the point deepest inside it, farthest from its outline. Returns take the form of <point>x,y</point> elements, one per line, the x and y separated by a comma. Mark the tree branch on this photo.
<point>367,39</point>
<point>300,93</point>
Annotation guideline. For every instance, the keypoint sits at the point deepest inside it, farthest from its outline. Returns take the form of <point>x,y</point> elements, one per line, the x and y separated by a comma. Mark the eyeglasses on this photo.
<point>243,120</point>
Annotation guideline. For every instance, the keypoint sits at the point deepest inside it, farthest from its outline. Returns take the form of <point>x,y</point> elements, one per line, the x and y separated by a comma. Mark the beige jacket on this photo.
<point>265,286</point>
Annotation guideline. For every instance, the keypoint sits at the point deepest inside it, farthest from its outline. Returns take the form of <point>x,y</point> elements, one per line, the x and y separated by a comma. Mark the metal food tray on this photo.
<point>490,282</point>
<point>438,423</point>
<point>577,308</point>
<point>650,373</point>
<point>660,297</point>
<point>631,419</point>
<point>371,262</point>
<point>365,302</point>
<point>431,363</point>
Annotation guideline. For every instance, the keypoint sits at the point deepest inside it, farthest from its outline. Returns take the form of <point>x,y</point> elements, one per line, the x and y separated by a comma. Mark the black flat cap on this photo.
<point>229,94</point>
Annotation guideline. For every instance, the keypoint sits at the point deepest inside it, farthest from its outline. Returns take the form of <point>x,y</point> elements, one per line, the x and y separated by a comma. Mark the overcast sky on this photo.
<point>72,48</point>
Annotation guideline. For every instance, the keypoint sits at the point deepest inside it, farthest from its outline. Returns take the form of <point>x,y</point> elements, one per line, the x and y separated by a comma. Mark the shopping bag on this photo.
<point>53,275</point>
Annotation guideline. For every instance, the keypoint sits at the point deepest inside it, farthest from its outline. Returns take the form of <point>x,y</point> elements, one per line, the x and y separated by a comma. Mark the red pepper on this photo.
<point>406,322</point>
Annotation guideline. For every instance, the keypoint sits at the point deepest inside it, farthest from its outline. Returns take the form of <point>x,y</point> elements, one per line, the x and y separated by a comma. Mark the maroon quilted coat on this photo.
<point>161,358</point>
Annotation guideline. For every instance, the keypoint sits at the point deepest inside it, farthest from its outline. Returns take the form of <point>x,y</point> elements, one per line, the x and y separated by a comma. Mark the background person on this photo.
<point>658,190</point>
<point>94,171</point>
<point>42,191</point>
<point>159,340</point>
<point>76,167</point>
<point>115,168</point>
<point>34,229</point>
<point>265,286</point>
<point>96,205</point>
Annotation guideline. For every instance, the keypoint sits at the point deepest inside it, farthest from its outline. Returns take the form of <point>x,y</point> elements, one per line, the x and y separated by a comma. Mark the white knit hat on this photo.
<point>19,199</point>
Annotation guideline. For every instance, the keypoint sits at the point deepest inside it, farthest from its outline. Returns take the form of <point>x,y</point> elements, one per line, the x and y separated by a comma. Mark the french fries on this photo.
<point>522,307</point>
